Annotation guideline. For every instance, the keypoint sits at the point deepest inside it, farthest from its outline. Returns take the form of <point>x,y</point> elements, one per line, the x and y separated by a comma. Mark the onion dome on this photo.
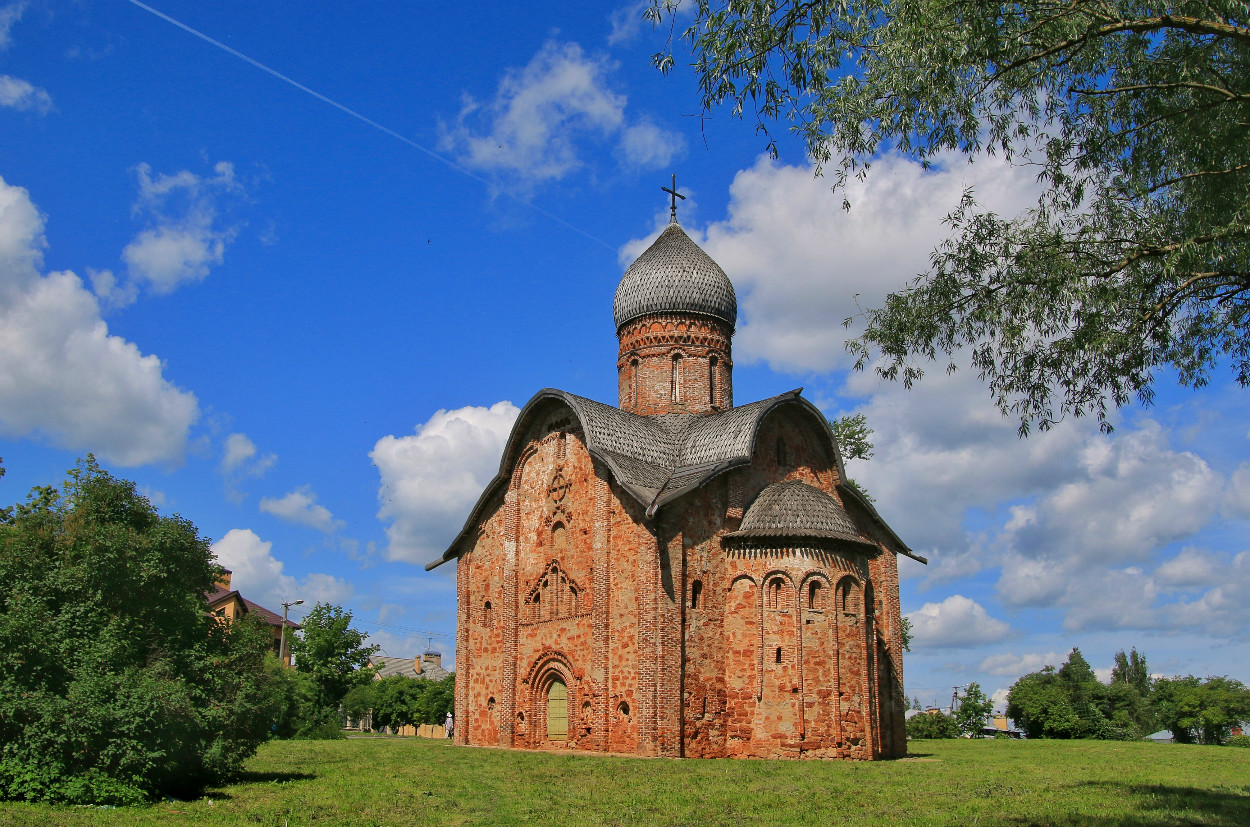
<point>674,276</point>
<point>794,510</point>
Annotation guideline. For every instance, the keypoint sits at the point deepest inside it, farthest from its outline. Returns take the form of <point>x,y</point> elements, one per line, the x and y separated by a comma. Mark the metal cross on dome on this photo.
<point>672,215</point>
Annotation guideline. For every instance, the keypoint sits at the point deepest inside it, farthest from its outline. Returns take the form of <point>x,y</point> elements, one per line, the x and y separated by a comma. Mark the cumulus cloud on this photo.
<point>801,264</point>
<point>535,128</point>
<point>1236,504</point>
<point>942,448</point>
<point>1011,665</point>
<point>240,459</point>
<point>63,378</point>
<point>1086,543</point>
<point>956,621</point>
<point>260,577</point>
<point>1220,610</point>
<point>239,456</point>
<point>430,479</point>
<point>184,238</point>
<point>1069,519</point>
<point>22,95</point>
<point>300,507</point>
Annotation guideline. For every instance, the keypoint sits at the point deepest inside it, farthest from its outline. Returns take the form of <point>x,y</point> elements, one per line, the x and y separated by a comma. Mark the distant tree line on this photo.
<point>1070,702</point>
<point>399,701</point>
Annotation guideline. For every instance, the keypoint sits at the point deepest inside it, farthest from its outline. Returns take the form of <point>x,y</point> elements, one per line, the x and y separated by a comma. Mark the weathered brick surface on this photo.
<point>670,363</point>
<point>669,641</point>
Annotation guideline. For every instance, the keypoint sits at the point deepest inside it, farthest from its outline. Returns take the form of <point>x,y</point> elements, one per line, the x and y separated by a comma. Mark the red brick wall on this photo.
<point>647,670</point>
<point>645,365</point>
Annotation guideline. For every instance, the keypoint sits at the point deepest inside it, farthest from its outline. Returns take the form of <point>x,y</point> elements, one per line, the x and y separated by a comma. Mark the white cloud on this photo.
<point>1236,504</point>
<point>300,506</point>
<point>260,577</point>
<point>184,239</point>
<point>801,264</point>
<point>1010,665</point>
<point>9,15</point>
<point>535,128</point>
<point>431,479</point>
<point>956,621</point>
<point>1222,610</point>
<point>240,460</point>
<point>111,293</point>
<point>1193,567</point>
<point>627,22</point>
<point>942,449</point>
<point>62,376</point>
<point>1086,542</point>
<point>239,457</point>
<point>646,146</point>
<point>19,94</point>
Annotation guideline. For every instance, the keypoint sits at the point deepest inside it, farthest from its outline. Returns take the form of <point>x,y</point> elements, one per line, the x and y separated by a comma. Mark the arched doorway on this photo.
<point>557,711</point>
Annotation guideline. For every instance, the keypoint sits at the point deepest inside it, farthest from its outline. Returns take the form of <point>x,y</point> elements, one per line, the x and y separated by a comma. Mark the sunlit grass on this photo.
<point>414,781</point>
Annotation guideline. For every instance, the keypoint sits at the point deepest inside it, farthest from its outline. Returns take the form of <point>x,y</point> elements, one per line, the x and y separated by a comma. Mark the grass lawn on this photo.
<point>385,781</point>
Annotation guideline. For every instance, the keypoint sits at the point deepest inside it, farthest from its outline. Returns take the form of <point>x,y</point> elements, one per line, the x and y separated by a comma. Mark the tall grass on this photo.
<point>384,781</point>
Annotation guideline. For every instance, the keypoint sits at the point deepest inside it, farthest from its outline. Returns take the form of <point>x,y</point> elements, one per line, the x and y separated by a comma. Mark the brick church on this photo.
<point>677,575</point>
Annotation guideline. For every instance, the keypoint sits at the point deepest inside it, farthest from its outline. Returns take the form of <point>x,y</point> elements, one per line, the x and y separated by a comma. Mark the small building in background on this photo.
<point>226,603</point>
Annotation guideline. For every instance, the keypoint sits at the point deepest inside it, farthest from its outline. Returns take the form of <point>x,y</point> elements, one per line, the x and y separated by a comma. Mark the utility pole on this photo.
<point>282,636</point>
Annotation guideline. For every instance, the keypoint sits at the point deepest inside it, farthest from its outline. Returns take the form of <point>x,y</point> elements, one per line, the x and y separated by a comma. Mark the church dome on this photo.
<point>795,510</point>
<point>674,276</point>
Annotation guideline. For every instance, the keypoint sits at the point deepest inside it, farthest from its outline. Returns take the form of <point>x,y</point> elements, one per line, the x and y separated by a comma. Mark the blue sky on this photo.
<point>307,327</point>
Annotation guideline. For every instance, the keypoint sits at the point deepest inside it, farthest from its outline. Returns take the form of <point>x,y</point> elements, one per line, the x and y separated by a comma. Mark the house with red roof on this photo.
<point>227,604</point>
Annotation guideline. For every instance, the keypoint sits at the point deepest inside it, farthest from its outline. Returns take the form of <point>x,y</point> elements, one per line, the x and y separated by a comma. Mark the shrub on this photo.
<point>932,725</point>
<point>1238,741</point>
<point>115,684</point>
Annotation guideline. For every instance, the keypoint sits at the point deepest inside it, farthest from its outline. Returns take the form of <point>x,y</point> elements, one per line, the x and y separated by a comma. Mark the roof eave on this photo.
<point>863,502</point>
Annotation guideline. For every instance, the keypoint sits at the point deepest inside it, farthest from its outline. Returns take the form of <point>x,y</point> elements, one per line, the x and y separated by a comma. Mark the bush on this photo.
<point>932,725</point>
<point>1238,741</point>
<point>115,684</point>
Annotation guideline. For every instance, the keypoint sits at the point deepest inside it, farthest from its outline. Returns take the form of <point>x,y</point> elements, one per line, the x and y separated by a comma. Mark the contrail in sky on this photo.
<point>431,153</point>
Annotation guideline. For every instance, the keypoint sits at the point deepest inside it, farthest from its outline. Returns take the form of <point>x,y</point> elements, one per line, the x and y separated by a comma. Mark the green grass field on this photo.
<point>397,781</point>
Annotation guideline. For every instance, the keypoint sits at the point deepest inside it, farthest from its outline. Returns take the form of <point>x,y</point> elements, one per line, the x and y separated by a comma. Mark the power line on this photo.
<point>384,129</point>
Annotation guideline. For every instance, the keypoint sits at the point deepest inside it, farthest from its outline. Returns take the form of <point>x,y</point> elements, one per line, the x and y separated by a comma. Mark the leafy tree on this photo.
<point>1135,256</point>
<point>1131,669</point>
<point>1202,712</point>
<point>853,435</point>
<point>1039,704</point>
<point>300,714</point>
<point>333,653</point>
<point>854,439</point>
<point>436,701</point>
<point>360,701</point>
<point>974,706</point>
<point>115,684</point>
<point>932,725</point>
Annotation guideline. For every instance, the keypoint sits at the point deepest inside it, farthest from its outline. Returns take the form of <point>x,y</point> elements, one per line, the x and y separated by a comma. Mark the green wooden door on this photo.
<point>558,712</point>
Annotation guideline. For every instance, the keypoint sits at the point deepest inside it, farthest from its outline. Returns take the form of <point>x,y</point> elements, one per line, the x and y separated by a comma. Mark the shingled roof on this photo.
<point>794,510</point>
<point>674,276</point>
<point>656,459</point>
